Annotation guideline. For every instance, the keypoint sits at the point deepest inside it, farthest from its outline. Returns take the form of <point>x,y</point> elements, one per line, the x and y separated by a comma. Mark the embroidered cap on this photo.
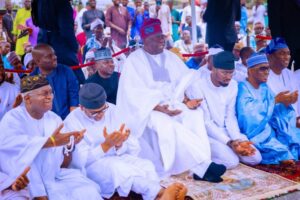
<point>256,59</point>
<point>103,54</point>
<point>150,27</point>
<point>29,83</point>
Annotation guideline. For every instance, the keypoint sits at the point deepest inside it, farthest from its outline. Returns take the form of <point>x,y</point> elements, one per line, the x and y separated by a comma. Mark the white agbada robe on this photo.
<point>21,146</point>
<point>5,194</point>
<point>116,170</point>
<point>286,81</point>
<point>8,94</point>
<point>184,48</point>
<point>220,119</point>
<point>203,72</point>
<point>163,137</point>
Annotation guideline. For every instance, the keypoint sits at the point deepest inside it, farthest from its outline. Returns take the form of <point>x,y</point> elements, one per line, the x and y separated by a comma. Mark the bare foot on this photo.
<point>289,163</point>
<point>176,191</point>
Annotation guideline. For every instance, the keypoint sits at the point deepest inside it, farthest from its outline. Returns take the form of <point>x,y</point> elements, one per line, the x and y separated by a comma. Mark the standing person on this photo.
<point>22,15</point>
<point>244,17</point>
<point>58,31</point>
<point>162,12</point>
<point>175,21</point>
<point>119,21</point>
<point>188,26</point>
<point>114,152</point>
<point>283,17</point>
<point>151,89</point>
<point>187,10</point>
<point>79,16</point>
<point>33,138</point>
<point>229,145</point>
<point>33,32</point>
<point>137,20</point>
<point>146,10</point>
<point>7,22</point>
<point>129,9</point>
<point>259,11</point>
<point>220,25</point>
<point>89,16</point>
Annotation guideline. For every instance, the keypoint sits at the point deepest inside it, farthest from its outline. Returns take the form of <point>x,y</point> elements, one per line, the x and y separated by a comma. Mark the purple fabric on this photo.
<point>35,31</point>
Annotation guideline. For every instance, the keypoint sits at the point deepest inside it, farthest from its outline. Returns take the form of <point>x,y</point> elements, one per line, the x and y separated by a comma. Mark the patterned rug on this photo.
<point>242,182</point>
<point>292,173</point>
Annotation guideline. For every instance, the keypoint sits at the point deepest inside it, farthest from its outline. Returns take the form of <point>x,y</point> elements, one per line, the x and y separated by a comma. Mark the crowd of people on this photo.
<point>140,111</point>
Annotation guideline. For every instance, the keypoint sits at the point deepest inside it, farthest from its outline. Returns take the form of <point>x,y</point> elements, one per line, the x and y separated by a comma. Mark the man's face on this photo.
<point>258,28</point>
<point>105,67</point>
<point>8,6</point>
<point>186,36</point>
<point>5,48</point>
<point>155,43</point>
<point>124,3</point>
<point>92,3</point>
<point>27,4</point>
<point>146,6</point>
<point>116,2</point>
<point>41,99</point>
<point>188,19</point>
<point>222,76</point>
<point>138,3</point>
<point>95,114</point>
<point>98,31</point>
<point>16,63</point>
<point>47,60</point>
<point>282,57</point>
<point>199,49</point>
<point>260,73</point>
<point>2,75</point>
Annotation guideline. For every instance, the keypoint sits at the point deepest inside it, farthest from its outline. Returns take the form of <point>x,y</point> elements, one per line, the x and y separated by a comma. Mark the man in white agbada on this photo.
<point>32,138</point>
<point>8,93</point>
<point>111,159</point>
<point>281,80</point>
<point>14,189</point>
<point>150,96</point>
<point>204,71</point>
<point>219,92</point>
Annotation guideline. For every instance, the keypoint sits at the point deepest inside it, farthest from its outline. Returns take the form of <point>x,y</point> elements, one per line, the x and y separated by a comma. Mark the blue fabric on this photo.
<point>136,25</point>
<point>276,44</point>
<point>272,128</point>
<point>244,19</point>
<point>192,63</point>
<point>65,87</point>
<point>6,63</point>
<point>256,59</point>
<point>92,43</point>
<point>131,12</point>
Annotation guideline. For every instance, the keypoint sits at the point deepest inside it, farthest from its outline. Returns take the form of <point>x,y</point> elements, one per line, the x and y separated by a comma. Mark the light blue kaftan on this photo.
<point>272,128</point>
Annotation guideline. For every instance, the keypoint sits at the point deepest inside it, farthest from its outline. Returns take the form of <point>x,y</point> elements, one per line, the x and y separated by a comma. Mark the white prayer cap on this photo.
<point>215,50</point>
<point>96,23</point>
<point>27,59</point>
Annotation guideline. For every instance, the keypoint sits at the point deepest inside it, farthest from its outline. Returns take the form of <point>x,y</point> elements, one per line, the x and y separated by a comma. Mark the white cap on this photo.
<point>27,59</point>
<point>96,23</point>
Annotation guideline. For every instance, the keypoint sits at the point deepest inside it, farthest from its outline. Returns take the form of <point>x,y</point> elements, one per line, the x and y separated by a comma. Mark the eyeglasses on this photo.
<point>102,111</point>
<point>263,68</point>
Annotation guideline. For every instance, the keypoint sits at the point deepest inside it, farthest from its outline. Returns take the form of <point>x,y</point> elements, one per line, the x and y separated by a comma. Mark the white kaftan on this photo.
<point>8,94</point>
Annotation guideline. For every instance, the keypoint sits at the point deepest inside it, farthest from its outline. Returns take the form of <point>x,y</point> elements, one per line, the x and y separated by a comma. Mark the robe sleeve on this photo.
<point>36,185</point>
<point>231,123</point>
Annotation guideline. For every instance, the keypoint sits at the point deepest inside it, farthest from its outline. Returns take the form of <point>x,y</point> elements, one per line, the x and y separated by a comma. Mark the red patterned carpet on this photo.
<point>292,173</point>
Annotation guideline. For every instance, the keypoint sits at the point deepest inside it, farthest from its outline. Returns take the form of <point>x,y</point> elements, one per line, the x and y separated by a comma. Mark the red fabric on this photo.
<point>150,27</point>
<point>81,38</point>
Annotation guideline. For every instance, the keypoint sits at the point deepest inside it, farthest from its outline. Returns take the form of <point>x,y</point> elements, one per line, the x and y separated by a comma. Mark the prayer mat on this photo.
<point>243,182</point>
<point>292,172</point>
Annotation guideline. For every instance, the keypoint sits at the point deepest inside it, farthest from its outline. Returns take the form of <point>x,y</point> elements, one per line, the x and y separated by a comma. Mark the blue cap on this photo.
<point>103,54</point>
<point>256,59</point>
<point>276,44</point>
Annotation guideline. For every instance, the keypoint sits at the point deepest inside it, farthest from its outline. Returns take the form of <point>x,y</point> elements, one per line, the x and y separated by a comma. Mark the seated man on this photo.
<point>32,138</point>
<point>240,72</point>
<point>281,79</point>
<point>197,61</point>
<point>150,96</point>
<point>105,75</point>
<point>61,78</point>
<point>8,93</point>
<point>14,189</point>
<point>4,50</point>
<point>185,43</point>
<point>114,153</point>
<point>264,118</point>
<point>218,91</point>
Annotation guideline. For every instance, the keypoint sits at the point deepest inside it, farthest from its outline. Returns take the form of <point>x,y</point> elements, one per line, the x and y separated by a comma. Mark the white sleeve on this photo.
<point>36,185</point>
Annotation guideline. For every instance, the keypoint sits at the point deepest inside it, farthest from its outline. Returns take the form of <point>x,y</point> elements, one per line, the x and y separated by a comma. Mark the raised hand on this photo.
<point>21,182</point>
<point>285,98</point>
<point>60,139</point>
<point>125,134</point>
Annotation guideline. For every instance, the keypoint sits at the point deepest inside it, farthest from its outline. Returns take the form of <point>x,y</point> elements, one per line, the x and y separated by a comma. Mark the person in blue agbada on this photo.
<point>60,77</point>
<point>264,118</point>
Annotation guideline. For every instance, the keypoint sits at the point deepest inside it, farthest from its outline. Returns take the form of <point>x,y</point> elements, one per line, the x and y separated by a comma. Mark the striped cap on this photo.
<point>256,59</point>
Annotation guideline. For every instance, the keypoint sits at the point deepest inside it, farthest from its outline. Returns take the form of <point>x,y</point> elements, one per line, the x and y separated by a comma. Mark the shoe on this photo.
<point>213,173</point>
